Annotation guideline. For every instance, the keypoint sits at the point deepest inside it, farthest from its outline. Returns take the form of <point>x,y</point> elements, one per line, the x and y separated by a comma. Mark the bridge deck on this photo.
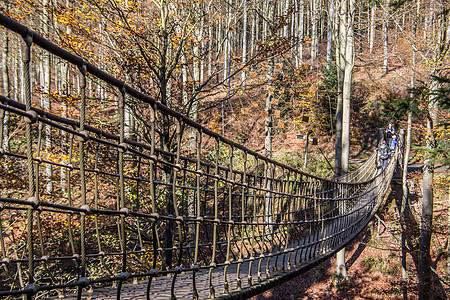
<point>161,286</point>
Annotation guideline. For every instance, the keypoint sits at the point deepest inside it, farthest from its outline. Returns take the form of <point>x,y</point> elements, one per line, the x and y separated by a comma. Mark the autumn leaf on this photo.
<point>277,113</point>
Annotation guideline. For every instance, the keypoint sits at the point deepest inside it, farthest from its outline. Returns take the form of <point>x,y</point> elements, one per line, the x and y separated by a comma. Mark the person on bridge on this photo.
<point>383,155</point>
<point>393,142</point>
<point>390,132</point>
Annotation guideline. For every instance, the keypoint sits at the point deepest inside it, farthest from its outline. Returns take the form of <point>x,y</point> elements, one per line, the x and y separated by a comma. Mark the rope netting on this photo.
<point>102,206</point>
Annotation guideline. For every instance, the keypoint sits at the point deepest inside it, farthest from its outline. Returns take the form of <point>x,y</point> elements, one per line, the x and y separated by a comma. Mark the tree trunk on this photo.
<point>129,121</point>
<point>385,37</point>
<point>244,42</point>
<point>210,46</point>
<point>330,33</point>
<point>268,122</point>
<point>345,62</point>
<point>427,218</point>
<point>314,38</point>
<point>341,270</point>
<point>346,93</point>
<point>448,31</point>
<point>359,31</point>
<point>307,22</point>
<point>20,75</point>
<point>64,93</point>
<point>6,91</point>
<point>405,194</point>
<point>254,35</point>
<point>373,11</point>
<point>295,30</point>
<point>340,65</point>
<point>424,269</point>
<point>192,135</point>
<point>45,100</point>
<point>265,25</point>
<point>448,237</point>
<point>448,218</point>
<point>193,111</point>
<point>340,256</point>
<point>201,56</point>
<point>406,151</point>
<point>100,91</point>
<point>218,49</point>
<point>285,12</point>
<point>227,66</point>
<point>165,135</point>
<point>301,32</point>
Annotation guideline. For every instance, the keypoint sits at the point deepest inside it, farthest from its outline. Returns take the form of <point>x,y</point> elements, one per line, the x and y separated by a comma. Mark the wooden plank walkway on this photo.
<point>161,285</point>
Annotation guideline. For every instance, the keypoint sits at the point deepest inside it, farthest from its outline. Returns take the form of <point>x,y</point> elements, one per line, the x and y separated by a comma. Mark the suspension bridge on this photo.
<point>88,212</point>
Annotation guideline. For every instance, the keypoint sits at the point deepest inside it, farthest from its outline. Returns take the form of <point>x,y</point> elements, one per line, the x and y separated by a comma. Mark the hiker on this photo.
<point>390,131</point>
<point>383,155</point>
<point>393,142</point>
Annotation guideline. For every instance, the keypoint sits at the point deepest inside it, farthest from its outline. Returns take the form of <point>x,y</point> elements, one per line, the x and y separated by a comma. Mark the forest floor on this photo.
<point>373,259</point>
<point>368,273</point>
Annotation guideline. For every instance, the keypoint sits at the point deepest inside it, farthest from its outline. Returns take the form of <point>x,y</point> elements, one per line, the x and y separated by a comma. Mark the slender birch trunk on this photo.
<point>244,42</point>
<point>268,122</point>
<point>301,32</point>
<point>45,97</point>
<point>6,90</point>
<point>330,33</point>
<point>227,66</point>
<point>253,36</point>
<point>314,38</point>
<point>373,11</point>
<point>346,92</point>
<point>385,36</point>
<point>210,44</point>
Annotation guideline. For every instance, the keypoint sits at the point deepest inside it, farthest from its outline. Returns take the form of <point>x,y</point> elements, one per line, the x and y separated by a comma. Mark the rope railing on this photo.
<point>175,205</point>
